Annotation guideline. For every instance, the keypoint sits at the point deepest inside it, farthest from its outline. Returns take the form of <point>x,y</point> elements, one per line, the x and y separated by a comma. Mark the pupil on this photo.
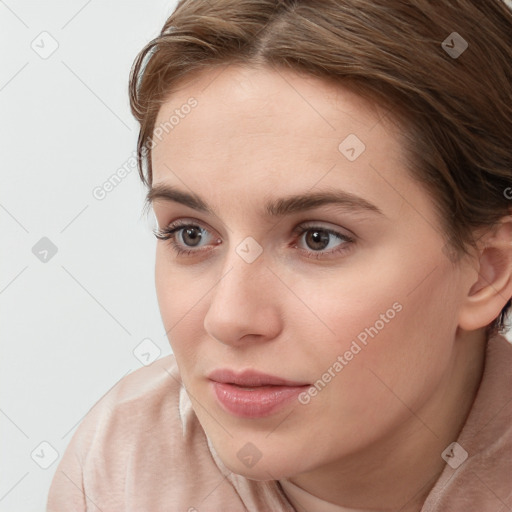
<point>194,235</point>
<point>317,237</point>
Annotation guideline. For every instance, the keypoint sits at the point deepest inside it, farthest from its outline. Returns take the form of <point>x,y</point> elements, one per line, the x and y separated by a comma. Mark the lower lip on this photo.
<point>255,403</point>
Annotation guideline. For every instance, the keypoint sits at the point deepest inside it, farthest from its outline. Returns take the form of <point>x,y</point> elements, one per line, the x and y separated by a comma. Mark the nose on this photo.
<point>244,304</point>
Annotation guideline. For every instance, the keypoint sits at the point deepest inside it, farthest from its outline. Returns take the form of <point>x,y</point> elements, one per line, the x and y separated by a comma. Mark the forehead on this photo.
<point>246,89</point>
<point>242,81</point>
<point>275,110</point>
<point>255,134</point>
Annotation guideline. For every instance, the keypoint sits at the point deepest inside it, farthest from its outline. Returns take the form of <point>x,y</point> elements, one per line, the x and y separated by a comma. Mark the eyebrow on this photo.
<point>275,208</point>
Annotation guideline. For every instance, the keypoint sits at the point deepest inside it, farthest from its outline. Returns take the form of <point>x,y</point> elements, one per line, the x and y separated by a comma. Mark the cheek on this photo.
<point>178,295</point>
<point>179,288</point>
<point>389,341</point>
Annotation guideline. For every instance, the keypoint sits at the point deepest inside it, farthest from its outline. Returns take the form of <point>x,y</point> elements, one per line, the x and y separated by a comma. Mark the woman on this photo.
<point>331,182</point>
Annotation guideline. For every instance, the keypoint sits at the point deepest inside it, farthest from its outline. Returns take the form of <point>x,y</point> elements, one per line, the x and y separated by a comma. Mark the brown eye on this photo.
<point>319,242</point>
<point>185,238</point>
<point>191,236</point>
<point>317,239</point>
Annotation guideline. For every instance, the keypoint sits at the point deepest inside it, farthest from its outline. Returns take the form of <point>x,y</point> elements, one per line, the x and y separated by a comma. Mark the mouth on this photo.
<point>251,379</point>
<point>252,394</point>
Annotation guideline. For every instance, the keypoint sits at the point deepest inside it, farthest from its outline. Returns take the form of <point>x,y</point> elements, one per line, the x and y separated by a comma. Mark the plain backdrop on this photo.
<point>79,309</point>
<point>71,319</point>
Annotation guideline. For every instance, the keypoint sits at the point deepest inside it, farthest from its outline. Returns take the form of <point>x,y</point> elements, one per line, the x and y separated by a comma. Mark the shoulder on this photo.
<point>136,397</point>
<point>147,399</point>
<point>145,386</point>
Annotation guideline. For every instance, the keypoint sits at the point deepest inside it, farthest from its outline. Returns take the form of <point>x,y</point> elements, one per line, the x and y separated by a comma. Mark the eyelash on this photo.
<point>169,234</point>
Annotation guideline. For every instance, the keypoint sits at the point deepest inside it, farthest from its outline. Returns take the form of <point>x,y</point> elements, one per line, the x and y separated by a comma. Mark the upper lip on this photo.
<point>250,378</point>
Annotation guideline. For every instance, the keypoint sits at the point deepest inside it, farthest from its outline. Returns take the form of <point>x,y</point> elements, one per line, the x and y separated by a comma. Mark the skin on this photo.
<point>373,437</point>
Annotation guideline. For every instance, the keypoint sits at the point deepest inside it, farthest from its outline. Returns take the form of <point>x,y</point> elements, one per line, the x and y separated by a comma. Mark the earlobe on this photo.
<point>492,289</point>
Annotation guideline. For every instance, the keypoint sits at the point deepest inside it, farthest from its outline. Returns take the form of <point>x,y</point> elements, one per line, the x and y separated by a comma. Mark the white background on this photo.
<point>70,325</point>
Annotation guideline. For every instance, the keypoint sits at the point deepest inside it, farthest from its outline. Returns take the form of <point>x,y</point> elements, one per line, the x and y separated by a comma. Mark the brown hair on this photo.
<point>456,110</point>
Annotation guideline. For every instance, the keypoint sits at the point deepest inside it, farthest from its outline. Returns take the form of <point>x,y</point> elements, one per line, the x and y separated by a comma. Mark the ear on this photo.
<point>492,289</point>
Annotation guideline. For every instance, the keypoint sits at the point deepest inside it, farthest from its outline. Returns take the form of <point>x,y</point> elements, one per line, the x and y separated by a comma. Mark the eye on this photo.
<point>182,236</point>
<point>317,239</point>
<point>320,242</point>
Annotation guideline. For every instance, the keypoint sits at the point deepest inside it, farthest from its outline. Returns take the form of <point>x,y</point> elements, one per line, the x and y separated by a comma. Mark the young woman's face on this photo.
<point>355,299</point>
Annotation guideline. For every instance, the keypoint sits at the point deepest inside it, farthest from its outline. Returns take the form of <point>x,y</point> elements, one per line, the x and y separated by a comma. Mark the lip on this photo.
<point>251,378</point>
<point>268,393</point>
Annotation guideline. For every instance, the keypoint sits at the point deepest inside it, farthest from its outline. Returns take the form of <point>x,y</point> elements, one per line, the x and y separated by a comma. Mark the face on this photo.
<point>349,295</point>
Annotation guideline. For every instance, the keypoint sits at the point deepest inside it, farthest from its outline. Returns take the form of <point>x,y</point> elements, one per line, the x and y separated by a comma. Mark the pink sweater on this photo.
<point>141,448</point>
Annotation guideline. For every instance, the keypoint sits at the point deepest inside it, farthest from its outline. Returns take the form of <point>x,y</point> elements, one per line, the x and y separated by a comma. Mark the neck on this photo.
<point>398,471</point>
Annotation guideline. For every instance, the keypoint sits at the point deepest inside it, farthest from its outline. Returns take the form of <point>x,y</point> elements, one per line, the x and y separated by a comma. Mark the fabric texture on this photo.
<point>141,448</point>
